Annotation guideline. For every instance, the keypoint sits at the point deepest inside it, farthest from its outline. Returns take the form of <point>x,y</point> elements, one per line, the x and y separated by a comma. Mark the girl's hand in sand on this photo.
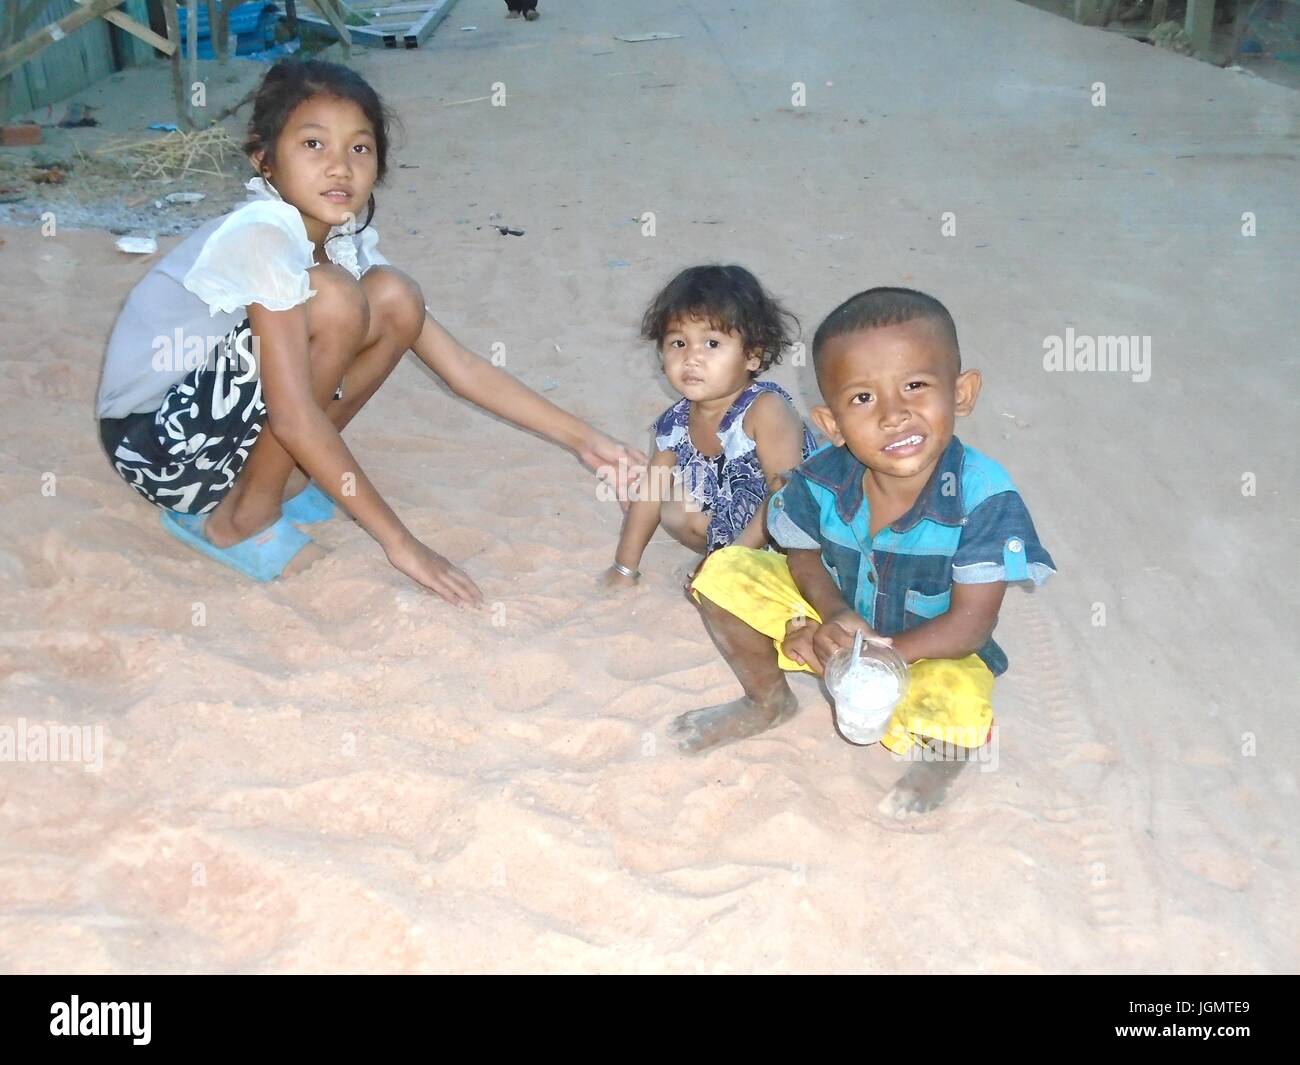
<point>837,632</point>
<point>615,464</point>
<point>430,569</point>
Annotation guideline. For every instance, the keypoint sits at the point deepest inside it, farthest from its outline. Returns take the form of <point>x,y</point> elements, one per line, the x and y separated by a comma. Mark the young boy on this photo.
<point>895,529</point>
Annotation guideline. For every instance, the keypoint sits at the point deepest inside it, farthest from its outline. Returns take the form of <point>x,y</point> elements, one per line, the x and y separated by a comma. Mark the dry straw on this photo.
<point>177,154</point>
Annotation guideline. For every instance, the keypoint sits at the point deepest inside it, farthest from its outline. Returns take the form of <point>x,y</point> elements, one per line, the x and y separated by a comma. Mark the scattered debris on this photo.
<point>1172,36</point>
<point>137,245</point>
<point>11,194</point>
<point>550,384</point>
<point>21,133</point>
<point>184,197</point>
<point>166,127</point>
<point>466,29</point>
<point>52,175</point>
<point>637,38</point>
<point>78,114</point>
<point>618,263</point>
<point>506,231</point>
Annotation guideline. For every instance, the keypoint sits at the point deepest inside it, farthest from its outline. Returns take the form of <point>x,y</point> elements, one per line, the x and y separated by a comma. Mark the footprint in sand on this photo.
<point>185,880</point>
<point>593,744</point>
<point>526,680</point>
<point>634,657</point>
<point>365,806</point>
<point>22,568</point>
<point>1218,867</point>
<point>341,601</point>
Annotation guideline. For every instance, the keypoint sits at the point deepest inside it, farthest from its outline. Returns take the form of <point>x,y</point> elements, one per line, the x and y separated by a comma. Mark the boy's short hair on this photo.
<point>731,300</point>
<point>878,307</point>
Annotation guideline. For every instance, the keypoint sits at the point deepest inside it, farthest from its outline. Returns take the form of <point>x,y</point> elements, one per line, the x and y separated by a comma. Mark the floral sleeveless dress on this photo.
<point>729,486</point>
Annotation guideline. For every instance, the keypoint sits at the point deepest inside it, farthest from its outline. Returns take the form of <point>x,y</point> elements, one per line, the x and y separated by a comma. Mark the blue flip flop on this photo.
<point>308,506</point>
<point>262,557</point>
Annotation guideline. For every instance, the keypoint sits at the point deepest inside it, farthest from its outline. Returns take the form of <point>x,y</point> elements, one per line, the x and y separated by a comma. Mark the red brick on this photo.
<point>22,133</point>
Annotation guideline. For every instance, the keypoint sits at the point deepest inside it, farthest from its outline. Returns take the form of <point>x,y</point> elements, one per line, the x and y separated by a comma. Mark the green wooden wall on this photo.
<point>68,66</point>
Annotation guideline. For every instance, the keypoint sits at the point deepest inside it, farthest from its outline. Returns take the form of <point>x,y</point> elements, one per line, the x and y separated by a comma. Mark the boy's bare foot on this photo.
<point>714,726</point>
<point>921,789</point>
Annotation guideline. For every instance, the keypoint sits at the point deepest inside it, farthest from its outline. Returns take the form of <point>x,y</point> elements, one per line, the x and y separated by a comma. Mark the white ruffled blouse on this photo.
<point>261,254</point>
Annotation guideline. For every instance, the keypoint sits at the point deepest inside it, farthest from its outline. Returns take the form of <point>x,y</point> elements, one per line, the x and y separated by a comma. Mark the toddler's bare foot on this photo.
<point>713,726</point>
<point>921,789</point>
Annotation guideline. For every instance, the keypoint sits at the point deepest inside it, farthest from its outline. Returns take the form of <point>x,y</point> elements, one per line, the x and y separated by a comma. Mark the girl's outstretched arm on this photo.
<point>304,430</point>
<point>474,378</point>
<point>639,524</point>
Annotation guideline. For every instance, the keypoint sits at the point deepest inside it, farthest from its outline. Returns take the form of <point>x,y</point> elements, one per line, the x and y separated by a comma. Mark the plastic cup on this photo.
<point>866,681</point>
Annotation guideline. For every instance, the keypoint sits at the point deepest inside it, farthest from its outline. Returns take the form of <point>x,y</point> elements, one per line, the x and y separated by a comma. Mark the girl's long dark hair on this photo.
<point>289,82</point>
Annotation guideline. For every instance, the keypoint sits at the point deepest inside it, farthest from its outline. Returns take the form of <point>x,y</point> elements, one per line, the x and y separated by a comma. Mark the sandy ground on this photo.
<point>338,772</point>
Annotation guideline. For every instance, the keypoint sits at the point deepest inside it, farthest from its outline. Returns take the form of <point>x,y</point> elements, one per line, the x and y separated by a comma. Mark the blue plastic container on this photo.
<point>252,24</point>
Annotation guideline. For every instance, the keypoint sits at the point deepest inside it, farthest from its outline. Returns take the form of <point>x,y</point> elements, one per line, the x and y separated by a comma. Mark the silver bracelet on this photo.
<point>618,567</point>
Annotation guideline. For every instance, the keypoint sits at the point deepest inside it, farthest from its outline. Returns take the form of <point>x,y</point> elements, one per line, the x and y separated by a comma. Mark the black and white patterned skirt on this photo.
<point>186,455</point>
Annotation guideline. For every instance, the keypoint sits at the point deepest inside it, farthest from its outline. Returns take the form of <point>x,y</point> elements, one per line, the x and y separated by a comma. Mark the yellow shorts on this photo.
<point>948,699</point>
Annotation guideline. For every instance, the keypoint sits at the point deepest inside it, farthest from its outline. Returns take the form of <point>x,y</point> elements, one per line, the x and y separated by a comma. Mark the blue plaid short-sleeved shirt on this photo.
<point>968,525</point>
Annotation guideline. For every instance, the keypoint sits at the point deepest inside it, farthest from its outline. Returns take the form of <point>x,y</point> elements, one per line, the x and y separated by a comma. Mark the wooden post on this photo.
<point>1087,12</point>
<point>1199,24</point>
<point>1245,12</point>
<point>224,18</point>
<point>178,83</point>
<point>192,32</point>
<point>214,32</point>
